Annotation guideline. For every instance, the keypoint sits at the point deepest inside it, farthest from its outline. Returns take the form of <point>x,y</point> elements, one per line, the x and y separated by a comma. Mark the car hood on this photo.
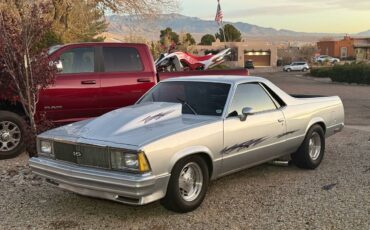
<point>133,125</point>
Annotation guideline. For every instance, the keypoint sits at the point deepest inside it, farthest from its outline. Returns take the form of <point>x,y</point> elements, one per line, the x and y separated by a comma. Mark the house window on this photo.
<point>343,52</point>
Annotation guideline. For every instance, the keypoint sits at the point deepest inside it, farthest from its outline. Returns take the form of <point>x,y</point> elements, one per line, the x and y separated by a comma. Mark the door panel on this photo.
<point>255,140</point>
<point>123,80</point>
<point>74,94</point>
<point>259,137</point>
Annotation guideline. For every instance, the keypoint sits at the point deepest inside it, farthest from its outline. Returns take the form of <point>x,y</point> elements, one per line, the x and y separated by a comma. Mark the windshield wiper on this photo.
<point>189,106</point>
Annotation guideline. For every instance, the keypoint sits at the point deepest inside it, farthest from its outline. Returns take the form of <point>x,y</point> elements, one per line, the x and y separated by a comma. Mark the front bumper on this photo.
<point>134,189</point>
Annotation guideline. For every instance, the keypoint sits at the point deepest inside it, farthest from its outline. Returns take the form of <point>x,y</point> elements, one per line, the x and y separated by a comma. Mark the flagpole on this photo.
<point>219,19</point>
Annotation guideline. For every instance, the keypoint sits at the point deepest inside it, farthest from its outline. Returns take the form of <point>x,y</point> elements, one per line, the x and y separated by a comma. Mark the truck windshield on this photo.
<point>200,98</point>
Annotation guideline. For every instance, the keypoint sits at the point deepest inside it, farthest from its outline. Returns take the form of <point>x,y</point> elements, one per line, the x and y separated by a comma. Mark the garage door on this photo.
<point>259,58</point>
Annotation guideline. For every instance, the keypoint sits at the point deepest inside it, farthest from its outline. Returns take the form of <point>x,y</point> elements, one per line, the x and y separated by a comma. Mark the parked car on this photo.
<point>183,133</point>
<point>93,78</point>
<point>249,64</point>
<point>297,66</point>
<point>323,58</point>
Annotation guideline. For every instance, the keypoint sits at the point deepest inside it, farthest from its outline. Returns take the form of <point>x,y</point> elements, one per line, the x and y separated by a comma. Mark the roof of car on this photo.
<point>229,79</point>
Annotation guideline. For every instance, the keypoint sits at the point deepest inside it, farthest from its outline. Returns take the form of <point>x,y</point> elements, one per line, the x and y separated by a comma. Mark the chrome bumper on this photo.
<point>117,186</point>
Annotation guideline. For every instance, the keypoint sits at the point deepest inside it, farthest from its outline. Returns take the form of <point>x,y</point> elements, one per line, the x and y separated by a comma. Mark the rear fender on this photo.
<point>314,121</point>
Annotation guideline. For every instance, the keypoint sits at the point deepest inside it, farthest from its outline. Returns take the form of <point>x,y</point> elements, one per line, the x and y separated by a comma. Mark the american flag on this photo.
<point>219,14</point>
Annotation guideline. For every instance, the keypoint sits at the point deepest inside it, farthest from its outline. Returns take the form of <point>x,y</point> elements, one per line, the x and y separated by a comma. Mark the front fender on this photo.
<point>187,152</point>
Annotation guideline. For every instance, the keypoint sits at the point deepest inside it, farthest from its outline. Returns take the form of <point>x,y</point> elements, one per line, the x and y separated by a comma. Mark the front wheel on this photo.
<point>12,133</point>
<point>288,70</point>
<point>304,69</point>
<point>188,185</point>
<point>311,152</point>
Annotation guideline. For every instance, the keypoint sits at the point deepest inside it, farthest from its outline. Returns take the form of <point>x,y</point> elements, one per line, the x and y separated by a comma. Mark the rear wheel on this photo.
<point>188,185</point>
<point>311,152</point>
<point>12,132</point>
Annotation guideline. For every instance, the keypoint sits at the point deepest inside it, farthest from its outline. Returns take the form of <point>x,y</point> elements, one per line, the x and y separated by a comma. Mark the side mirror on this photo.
<point>58,65</point>
<point>247,111</point>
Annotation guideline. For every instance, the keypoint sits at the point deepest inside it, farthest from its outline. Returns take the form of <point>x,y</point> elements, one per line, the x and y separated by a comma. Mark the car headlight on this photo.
<point>46,147</point>
<point>132,161</point>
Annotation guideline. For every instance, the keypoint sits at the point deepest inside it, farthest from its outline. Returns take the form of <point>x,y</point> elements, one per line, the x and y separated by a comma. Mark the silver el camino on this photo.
<point>183,133</point>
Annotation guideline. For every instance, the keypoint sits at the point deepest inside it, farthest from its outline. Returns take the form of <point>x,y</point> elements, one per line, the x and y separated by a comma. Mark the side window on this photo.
<point>253,96</point>
<point>121,59</point>
<point>78,60</point>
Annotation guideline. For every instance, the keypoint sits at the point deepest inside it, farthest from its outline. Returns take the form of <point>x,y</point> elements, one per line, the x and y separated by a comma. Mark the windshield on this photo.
<point>200,98</point>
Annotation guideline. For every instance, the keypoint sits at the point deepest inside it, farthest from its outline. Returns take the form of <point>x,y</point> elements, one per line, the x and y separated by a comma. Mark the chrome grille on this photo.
<point>64,152</point>
<point>87,155</point>
<point>94,156</point>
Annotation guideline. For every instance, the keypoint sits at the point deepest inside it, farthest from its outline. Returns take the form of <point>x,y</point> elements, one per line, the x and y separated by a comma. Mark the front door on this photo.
<point>74,94</point>
<point>257,139</point>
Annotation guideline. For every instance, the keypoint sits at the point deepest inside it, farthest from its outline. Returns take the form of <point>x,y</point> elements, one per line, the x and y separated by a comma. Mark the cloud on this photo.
<point>290,7</point>
<point>362,5</point>
<point>275,10</point>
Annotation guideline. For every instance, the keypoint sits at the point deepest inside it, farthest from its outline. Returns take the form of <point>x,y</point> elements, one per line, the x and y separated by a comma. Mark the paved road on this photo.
<point>335,196</point>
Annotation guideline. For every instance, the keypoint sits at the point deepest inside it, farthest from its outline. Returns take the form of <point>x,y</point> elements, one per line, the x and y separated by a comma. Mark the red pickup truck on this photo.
<point>93,78</point>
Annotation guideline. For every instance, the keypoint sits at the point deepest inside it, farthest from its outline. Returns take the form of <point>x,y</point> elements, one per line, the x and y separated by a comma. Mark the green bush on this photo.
<point>321,72</point>
<point>350,73</point>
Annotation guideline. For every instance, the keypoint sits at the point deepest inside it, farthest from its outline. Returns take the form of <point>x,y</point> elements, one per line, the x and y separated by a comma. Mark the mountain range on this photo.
<point>150,27</point>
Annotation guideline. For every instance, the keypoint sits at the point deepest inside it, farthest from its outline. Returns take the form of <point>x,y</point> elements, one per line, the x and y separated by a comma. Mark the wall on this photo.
<point>241,47</point>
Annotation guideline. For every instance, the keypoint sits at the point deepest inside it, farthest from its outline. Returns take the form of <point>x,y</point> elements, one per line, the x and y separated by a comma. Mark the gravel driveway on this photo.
<point>335,196</point>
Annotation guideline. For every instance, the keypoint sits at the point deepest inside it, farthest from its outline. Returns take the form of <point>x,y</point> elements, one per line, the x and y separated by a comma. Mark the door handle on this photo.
<point>143,80</point>
<point>281,120</point>
<point>88,82</point>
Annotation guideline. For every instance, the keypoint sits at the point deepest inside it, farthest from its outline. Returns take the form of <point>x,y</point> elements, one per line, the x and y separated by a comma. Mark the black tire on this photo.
<point>288,70</point>
<point>304,70</point>
<point>173,199</point>
<point>17,120</point>
<point>302,158</point>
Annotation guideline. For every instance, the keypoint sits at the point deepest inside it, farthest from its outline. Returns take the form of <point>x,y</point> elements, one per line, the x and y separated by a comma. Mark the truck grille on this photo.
<point>87,155</point>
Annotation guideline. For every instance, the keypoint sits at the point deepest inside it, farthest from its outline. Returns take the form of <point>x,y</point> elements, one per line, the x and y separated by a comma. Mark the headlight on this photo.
<point>46,147</point>
<point>122,160</point>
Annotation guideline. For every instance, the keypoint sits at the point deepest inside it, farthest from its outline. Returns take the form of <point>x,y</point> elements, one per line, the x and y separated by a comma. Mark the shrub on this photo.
<point>350,73</point>
<point>321,72</point>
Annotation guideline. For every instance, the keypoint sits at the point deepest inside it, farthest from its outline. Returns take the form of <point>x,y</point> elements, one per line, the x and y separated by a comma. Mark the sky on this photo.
<point>327,16</point>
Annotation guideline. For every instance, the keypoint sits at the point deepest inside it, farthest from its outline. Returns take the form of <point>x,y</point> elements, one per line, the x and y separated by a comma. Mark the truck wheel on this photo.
<point>187,186</point>
<point>311,152</point>
<point>12,132</point>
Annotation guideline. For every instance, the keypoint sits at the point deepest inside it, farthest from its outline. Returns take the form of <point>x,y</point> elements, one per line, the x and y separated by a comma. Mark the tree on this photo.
<point>71,25</point>
<point>188,39</point>
<point>137,7</point>
<point>76,21</point>
<point>168,37</point>
<point>24,68</point>
<point>232,34</point>
<point>187,42</point>
<point>207,40</point>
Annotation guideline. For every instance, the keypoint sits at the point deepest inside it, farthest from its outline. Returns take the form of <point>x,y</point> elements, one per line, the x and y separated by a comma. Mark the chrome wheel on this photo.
<point>10,136</point>
<point>190,181</point>
<point>314,146</point>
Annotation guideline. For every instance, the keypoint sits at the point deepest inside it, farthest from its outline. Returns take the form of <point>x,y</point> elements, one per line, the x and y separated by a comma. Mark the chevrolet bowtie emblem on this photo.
<point>77,154</point>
